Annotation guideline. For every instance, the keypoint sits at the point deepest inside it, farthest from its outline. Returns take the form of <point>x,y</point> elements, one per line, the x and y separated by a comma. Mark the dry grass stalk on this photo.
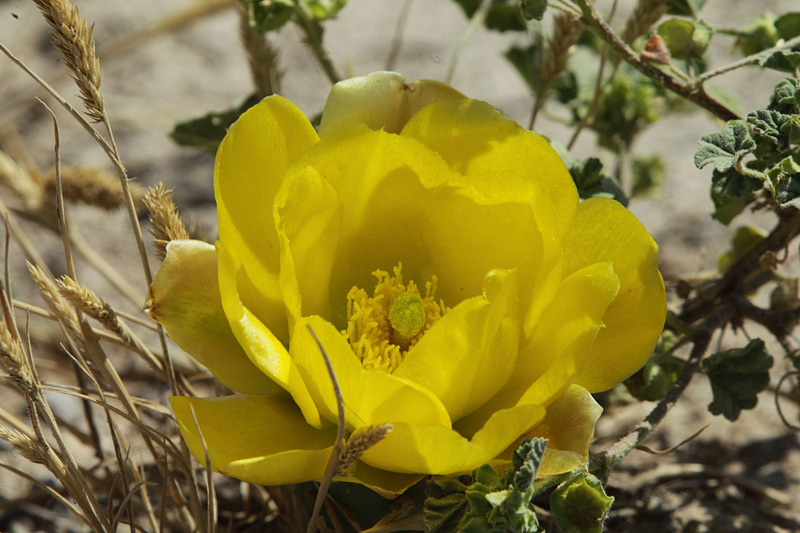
<point>60,307</point>
<point>646,14</point>
<point>165,219</point>
<point>360,441</point>
<point>91,186</point>
<point>12,358</point>
<point>74,40</point>
<point>566,31</point>
<point>262,57</point>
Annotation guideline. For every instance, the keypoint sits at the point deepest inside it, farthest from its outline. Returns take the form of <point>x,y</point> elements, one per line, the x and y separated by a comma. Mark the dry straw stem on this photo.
<point>91,186</point>
<point>92,305</point>
<point>61,308</point>
<point>646,14</point>
<point>165,219</point>
<point>73,39</point>
<point>262,57</point>
<point>360,441</point>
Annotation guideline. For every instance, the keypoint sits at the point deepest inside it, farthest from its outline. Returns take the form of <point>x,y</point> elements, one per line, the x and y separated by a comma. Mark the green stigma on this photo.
<point>407,317</point>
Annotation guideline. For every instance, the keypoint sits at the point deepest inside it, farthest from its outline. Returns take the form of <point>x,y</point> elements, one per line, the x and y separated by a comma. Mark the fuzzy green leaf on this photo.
<point>782,60</point>
<point>731,192</point>
<point>655,378</point>
<point>737,376</point>
<point>725,148</point>
<point>445,505</point>
<point>207,132</point>
<point>788,192</point>
<point>768,127</point>
<point>580,505</point>
<point>786,96</point>
<point>759,35</point>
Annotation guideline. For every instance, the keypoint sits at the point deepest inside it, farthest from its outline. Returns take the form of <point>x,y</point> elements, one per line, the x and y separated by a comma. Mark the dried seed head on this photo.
<point>64,312</point>
<point>75,42</point>
<point>23,445</point>
<point>91,186</point>
<point>646,13</point>
<point>165,219</point>
<point>13,359</point>
<point>566,31</point>
<point>360,441</point>
<point>24,182</point>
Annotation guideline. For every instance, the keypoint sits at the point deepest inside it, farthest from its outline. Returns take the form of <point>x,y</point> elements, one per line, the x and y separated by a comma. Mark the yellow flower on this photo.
<point>440,253</point>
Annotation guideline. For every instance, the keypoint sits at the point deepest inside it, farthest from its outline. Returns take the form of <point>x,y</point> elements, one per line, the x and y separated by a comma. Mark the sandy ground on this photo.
<point>153,84</point>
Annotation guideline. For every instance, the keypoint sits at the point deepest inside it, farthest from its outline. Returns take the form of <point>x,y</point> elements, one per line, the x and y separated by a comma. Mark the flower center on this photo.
<point>382,328</point>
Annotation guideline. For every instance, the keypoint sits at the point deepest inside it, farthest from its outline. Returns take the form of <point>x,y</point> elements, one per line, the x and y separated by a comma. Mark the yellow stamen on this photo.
<point>381,328</point>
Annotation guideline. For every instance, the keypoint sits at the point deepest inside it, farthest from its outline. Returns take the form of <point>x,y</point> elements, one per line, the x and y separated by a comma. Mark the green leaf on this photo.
<point>788,192</point>
<point>503,15</point>
<point>323,9</point>
<point>269,16</point>
<point>647,175</point>
<point>768,128</point>
<point>207,132</point>
<point>685,8</point>
<point>655,378</point>
<point>725,148</point>
<point>782,60</point>
<point>788,25</point>
<point>759,35</point>
<point>580,505</point>
<point>786,96</point>
<point>743,240</point>
<point>592,181</point>
<point>737,376</point>
<point>731,192</point>
<point>533,9</point>
<point>684,38</point>
<point>445,505</point>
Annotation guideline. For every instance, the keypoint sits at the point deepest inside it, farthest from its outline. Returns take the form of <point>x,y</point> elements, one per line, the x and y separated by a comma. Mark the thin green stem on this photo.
<point>749,60</point>
<point>313,32</point>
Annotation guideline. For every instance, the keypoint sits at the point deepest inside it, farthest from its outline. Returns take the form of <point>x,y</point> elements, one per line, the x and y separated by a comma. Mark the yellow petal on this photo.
<point>259,343</point>
<point>250,165</point>
<point>603,230</point>
<point>381,100</point>
<point>378,184</point>
<point>184,298</point>
<point>387,484</point>
<point>560,345</point>
<point>470,353</point>
<point>430,449</point>
<point>474,137</point>
<point>494,220</point>
<point>259,439</point>
<point>569,428</point>
<point>371,397</point>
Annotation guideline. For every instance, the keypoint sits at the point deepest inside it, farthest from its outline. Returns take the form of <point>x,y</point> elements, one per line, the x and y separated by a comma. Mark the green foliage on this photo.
<point>492,503</point>
<point>765,32</point>
<point>758,35</point>
<point>504,15</point>
<point>743,240</point>
<point>658,374</point>
<point>731,192</point>
<point>206,132</point>
<point>685,8</point>
<point>725,149</point>
<point>648,175</point>
<point>685,38</point>
<point>737,376</point>
<point>533,9</point>
<point>580,505</point>
<point>271,16</point>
